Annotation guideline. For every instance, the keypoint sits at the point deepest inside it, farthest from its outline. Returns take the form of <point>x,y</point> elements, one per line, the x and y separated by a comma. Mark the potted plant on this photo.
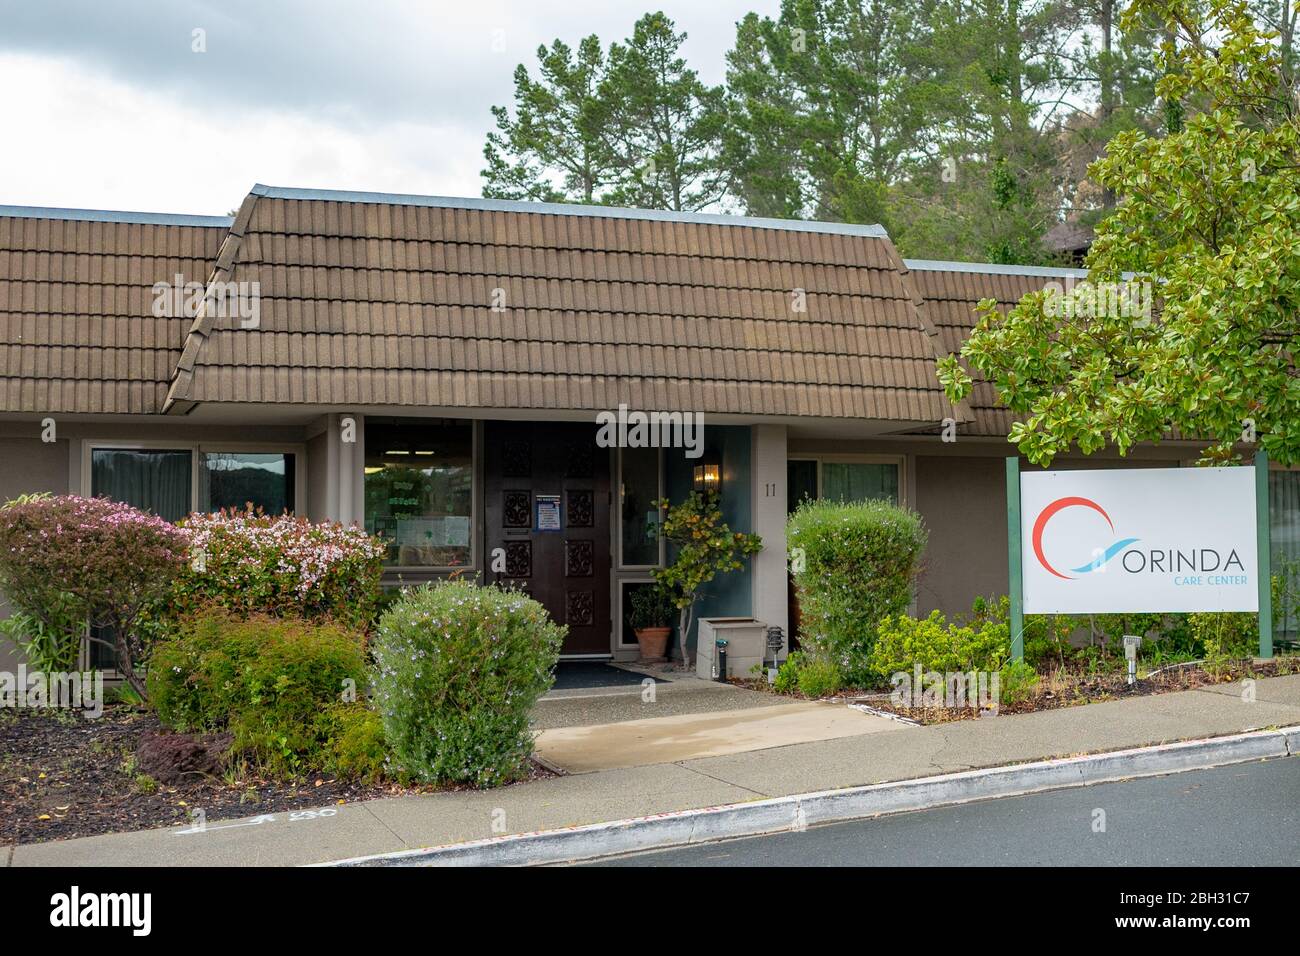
<point>651,617</point>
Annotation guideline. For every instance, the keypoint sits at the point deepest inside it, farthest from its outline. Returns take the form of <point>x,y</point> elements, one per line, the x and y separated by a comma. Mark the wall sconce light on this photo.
<point>708,477</point>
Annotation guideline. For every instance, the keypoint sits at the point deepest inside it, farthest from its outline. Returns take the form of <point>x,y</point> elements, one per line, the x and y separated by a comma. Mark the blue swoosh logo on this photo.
<point>1113,550</point>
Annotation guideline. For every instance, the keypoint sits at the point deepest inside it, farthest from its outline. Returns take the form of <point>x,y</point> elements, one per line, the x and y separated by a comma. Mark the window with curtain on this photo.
<point>639,489</point>
<point>419,488</point>
<point>152,480</point>
<point>237,479</point>
<point>859,481</point>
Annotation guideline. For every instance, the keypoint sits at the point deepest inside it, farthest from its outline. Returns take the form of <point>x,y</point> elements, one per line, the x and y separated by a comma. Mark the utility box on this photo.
<point>746,639</point>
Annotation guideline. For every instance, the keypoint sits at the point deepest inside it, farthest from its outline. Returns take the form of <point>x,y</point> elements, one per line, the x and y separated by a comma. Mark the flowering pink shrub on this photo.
<point>67,560</point>
<point>249,562</point>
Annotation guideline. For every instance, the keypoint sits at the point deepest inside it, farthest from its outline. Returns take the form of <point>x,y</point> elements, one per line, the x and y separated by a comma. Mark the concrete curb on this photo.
<point>795,812</point>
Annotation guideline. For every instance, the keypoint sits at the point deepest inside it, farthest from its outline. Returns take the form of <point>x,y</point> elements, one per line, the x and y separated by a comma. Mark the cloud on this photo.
<point>117,111</point>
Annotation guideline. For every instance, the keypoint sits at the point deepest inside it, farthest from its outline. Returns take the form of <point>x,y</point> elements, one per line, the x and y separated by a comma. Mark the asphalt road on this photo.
<point>1240,815</point>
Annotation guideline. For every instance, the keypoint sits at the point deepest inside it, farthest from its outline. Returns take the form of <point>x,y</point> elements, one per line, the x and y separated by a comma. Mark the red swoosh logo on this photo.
<point>1061,504</point>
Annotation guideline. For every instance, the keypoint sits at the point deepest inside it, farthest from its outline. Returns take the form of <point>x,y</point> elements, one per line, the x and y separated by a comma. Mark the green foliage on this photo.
<point>355,748</point>
<point>1226,635</point>
<point>653,606</point>
<point>937,645</point>
<point>819,677</point>
<point>66,561</point>
<point>1208,214</point>
<point>458,668</point>
<point>704,546</point>
<point>854,565</point>
<point>787,675</point>
<point>809,675</point>
<point>251,563</point>
<point>1016,682</point>
<point>265,679</point>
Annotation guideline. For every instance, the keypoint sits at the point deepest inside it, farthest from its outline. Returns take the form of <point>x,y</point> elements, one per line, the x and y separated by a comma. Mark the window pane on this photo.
<point>237,479</point>
<point>800,482</point>
<point>859,481</point>
<point>640,514</point>
<point>419,491</point>
<point>157,481</point>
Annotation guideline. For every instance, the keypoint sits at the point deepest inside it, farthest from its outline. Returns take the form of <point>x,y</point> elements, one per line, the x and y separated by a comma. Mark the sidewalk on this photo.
<point>896,754</point>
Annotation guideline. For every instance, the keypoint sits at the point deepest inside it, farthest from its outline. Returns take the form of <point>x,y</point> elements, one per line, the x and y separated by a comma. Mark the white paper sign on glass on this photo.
<point>1138,539</point>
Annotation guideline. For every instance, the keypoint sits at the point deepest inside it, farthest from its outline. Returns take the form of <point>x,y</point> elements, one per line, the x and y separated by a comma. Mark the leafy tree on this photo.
<point>662,125</point>
<point>551,149</point>
<point>826,116</point>
<point>1208,215</point>
<point>634,126</point>
<point>987,190</point>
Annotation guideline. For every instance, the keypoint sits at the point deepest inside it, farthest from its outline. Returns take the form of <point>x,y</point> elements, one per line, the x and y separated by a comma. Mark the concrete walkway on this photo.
<point>899,753</point>
<point>657,740</point>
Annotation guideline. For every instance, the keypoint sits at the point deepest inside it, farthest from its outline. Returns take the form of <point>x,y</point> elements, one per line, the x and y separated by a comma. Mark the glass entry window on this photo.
<point>420,491</point>
<point>839,479</point>
<point>639,492</point>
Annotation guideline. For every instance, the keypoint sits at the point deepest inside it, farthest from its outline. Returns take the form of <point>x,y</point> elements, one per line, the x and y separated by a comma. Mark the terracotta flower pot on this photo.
<point>653,642</point>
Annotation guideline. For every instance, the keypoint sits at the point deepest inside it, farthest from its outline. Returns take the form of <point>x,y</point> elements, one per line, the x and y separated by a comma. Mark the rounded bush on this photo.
<point>267,680</point>
<point>458,668</point>
<point>854,564</point>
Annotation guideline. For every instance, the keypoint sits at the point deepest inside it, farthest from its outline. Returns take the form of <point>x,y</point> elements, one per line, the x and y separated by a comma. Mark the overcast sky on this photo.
<point>104,105</point>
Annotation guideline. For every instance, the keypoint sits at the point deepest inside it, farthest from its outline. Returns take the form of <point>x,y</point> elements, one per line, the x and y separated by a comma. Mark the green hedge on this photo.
<point>854,565</point>
<point>458,668</point>
<point>272,682</point>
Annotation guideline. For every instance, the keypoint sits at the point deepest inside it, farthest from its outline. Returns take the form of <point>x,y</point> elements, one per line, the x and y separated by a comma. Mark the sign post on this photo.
<point>1014,560</point>
<point>1262,534</point>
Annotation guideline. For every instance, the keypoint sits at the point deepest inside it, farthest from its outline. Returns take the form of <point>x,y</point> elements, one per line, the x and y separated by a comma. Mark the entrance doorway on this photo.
<point>546,520</point>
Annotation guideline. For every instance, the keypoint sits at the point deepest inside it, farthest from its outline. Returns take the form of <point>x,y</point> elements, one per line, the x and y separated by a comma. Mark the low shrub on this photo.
<point>67,561</point>
<point>1226,635</point>
<point>854,565</point>
<point>903,642</point>
<point>819,678</point>
<point>356,749</point>
<point>266,680</point>
<point>252,563</point>
<point>458,668</point>
<point>787,675</point>
<point>1016,682</point>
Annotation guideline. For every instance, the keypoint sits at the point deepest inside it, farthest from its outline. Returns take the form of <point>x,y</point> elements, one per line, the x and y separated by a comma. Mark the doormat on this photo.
<point>582,675</point>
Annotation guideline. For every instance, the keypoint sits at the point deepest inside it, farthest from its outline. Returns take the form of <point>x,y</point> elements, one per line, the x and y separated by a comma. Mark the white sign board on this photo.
<point>1148,539</point>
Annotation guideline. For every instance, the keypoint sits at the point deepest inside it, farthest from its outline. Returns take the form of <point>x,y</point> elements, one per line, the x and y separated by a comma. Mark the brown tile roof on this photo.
<point>951,291</point>
<point>389,300</point>
<point>77,330</point>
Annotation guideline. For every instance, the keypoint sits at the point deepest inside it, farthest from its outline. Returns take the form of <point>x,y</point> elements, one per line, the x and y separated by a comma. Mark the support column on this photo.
<point>771,586</point>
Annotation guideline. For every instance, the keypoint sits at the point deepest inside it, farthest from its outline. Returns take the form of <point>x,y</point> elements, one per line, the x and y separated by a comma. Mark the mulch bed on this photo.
<point>1075,690</point>
<point>63,776</point>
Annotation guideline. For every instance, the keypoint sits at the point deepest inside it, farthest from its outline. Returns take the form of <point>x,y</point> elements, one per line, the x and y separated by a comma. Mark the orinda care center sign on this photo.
<point>1158,539</point>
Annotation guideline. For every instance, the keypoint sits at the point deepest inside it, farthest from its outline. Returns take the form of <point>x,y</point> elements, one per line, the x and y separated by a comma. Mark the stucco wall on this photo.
<point>28,465</point>
<point>963,503</point>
